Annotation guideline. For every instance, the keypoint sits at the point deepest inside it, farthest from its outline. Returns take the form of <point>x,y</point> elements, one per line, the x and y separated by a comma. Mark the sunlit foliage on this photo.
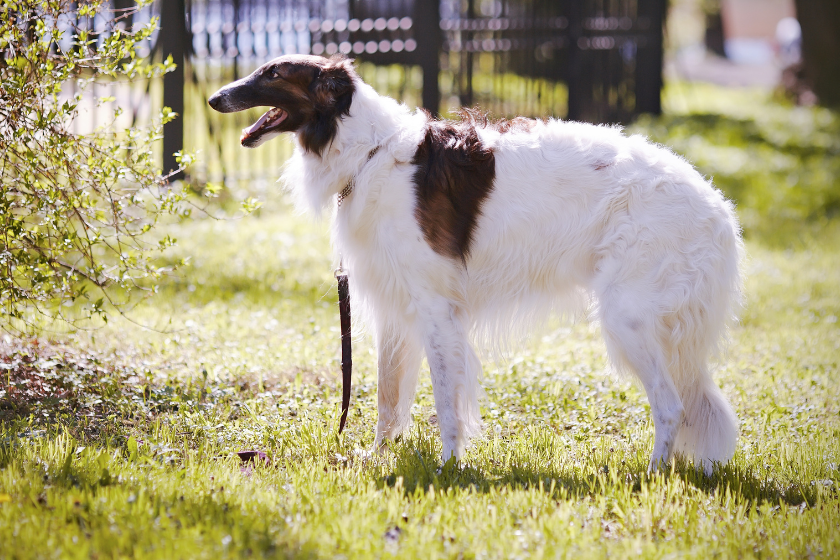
<point>74,206</point>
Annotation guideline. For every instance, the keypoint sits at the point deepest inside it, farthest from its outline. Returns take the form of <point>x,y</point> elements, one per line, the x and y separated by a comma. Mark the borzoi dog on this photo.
<point>454,231</point>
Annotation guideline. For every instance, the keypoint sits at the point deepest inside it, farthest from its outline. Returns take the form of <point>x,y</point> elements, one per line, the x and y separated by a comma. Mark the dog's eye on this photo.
<point>274,73</point>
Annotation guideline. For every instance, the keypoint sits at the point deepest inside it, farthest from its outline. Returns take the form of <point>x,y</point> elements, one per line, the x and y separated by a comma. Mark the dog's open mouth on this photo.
<point>270,120</point>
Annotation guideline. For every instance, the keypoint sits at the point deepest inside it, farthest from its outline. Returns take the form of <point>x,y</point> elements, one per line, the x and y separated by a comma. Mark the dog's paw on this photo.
<point>374,452</point>
<point>706,468</point>
<point>450,465</point>
<point>380,446</point>
<point>364,455</point>
<point>658,465</point>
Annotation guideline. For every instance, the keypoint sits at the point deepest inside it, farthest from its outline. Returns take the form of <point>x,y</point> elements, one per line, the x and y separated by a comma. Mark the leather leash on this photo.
<point>344,315</point>
<point>346,350</point>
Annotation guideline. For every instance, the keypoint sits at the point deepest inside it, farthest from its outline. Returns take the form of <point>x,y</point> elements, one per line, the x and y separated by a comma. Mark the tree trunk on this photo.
<point>820,22</point>
<point>714,36</point>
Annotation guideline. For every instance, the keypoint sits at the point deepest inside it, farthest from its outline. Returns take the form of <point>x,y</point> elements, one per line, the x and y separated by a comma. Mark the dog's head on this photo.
<point>308,96</point>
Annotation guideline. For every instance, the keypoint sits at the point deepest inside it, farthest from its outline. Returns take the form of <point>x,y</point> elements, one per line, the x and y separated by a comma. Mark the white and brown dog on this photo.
<point>454,231</point>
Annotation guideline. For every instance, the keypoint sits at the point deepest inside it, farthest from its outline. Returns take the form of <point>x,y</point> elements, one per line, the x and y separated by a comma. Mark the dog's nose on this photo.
<point>215,100</point>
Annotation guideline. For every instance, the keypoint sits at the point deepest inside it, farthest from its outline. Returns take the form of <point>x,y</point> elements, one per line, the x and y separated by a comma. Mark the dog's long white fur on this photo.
<point>580,217</point>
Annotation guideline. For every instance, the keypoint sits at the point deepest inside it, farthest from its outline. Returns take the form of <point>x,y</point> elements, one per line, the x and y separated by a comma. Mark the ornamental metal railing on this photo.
<point>593,60</point>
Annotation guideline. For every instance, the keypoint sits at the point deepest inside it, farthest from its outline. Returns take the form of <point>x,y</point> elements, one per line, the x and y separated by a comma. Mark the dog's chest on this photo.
<point>384,247</point>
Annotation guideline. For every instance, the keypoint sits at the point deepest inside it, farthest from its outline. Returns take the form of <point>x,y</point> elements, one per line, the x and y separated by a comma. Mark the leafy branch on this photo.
<point>77,210</point>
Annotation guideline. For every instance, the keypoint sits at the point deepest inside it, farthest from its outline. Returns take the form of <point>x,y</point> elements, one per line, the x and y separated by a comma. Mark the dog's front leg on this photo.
<point>455,371</point>
<point>400,354</point>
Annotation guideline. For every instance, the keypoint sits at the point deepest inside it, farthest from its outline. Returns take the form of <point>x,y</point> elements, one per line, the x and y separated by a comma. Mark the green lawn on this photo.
<point>122,441</point>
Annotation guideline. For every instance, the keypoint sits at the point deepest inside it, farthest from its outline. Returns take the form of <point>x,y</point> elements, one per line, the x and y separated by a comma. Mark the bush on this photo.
<point>75,208</point>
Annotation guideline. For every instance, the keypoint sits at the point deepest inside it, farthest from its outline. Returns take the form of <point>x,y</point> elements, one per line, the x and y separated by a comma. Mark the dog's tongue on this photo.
<point>269,119</point>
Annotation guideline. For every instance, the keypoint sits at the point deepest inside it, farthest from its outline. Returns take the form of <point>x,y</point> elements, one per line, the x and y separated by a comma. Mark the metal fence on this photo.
<point>593,60</point>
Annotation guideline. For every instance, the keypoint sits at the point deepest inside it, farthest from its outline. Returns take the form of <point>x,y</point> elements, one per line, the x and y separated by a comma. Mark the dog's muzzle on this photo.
<point>238,96</point>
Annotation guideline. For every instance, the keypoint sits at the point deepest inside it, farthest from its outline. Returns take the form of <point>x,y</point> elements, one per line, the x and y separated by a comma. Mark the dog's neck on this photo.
<point>374,121</point>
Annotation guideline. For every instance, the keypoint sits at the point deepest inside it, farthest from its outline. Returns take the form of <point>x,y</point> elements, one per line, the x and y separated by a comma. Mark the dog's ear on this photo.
<point>332,93</point>
<point>333,83</point>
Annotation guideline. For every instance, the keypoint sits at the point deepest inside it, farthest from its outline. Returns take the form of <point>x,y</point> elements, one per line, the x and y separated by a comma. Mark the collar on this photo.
<point>348,189</point>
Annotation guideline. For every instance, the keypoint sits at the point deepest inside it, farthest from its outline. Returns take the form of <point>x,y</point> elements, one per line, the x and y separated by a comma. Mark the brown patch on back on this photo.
<point>454,175</point>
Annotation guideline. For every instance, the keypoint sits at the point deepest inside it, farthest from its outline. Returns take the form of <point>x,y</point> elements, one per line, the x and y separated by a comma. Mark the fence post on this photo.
<point>429,38</point>
<point>649,58</point>
<point>467,59</point>
<point>173,37</point>
<point>578,93</point>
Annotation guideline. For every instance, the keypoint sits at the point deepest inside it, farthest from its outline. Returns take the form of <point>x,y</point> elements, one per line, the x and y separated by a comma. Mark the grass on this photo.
<point>122,442</point>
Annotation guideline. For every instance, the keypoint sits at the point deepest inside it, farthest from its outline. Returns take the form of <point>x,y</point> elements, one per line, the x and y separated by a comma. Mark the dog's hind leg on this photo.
<point>456,370</point>
<point>630,335</point>
<point>400,354</point>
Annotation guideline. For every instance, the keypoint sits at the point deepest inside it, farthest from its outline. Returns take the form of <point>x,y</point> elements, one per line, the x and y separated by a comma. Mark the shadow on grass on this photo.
<point>171,513</point>
<point>417,468</point>
<point>47,387</point>
<point>45,384</point>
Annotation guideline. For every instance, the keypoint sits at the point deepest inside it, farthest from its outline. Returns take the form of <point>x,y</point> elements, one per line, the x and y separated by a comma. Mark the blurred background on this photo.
<point>720,81</point>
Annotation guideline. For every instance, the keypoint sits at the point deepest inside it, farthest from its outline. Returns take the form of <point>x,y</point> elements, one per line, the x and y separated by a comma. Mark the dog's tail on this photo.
<point>710,428</point>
